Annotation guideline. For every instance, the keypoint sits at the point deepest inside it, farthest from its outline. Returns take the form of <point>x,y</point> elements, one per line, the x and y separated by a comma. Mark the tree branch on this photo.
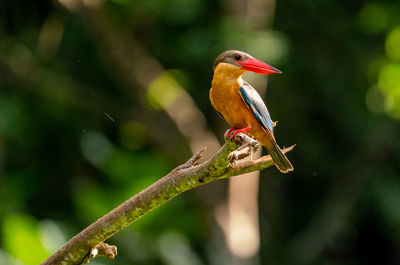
<point>185,177</point>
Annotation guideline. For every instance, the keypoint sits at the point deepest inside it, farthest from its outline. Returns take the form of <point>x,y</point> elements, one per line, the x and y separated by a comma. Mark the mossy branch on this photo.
<point>187,176</point>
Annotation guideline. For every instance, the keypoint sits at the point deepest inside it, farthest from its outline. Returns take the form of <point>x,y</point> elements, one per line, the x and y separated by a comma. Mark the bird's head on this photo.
<point>244,62</point>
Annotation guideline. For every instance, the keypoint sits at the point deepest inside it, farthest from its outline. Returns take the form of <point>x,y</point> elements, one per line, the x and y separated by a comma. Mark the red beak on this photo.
<point>258,67</point>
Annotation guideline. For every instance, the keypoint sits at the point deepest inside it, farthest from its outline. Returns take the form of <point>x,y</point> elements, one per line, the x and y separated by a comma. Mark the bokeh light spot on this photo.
<point>392,105</point>
<point>375,100</point>
<point>95,147</point>
<point>163,91</point>
<point>51,235</point>
<point>373,18</point>
<point>22,240</point>
<point>393,44</point>
<point>389,78</point>
<point>268,45</point>
<point>389,84</point>
<point>175,249</point>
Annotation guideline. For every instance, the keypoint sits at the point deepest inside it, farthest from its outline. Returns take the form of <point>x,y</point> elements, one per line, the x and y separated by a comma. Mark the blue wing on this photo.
<point>256,105</point>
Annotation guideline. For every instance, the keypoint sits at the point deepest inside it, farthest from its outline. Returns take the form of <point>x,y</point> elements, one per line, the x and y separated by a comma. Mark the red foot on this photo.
<point>236,131</point>
<point>230,131</point>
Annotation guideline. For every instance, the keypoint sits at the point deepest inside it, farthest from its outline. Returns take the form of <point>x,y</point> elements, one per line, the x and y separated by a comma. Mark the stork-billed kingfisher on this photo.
<point>240,104</point>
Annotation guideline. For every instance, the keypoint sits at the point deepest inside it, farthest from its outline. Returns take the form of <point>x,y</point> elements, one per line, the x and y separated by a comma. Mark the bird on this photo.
<point>240,104</point>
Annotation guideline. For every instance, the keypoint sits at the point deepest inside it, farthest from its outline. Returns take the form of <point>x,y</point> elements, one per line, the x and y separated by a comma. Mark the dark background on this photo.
<point>88,117</point>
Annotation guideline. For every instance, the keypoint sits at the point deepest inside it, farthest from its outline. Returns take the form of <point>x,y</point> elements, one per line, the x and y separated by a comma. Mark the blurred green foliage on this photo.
<point>21,238</point>
<point>78,135</point>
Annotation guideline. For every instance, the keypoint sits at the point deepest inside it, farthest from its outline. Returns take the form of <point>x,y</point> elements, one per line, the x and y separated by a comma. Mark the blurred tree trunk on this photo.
<point>240,221</point>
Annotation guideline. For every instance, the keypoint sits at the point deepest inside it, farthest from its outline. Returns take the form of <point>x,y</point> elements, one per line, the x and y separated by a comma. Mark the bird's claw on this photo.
<point>249,146</point>
<point>228,133</point>
<point>232,132</point>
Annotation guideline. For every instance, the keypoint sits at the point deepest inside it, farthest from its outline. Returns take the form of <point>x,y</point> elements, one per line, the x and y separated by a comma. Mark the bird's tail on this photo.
<point>281,161</point>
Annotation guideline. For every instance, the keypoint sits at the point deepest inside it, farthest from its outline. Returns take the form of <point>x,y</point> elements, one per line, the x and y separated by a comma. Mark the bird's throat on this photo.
<point>227,75</point>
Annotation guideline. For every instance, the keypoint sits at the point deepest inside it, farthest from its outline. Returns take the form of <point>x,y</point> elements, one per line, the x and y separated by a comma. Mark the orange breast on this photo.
<point>225,98</point>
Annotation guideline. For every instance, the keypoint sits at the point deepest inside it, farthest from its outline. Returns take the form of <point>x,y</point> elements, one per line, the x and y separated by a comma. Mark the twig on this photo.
<point>183,178</point>
<point>102,249</point>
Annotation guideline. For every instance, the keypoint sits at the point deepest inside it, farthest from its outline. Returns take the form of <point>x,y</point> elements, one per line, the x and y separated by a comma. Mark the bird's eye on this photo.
<point>237,57</point>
